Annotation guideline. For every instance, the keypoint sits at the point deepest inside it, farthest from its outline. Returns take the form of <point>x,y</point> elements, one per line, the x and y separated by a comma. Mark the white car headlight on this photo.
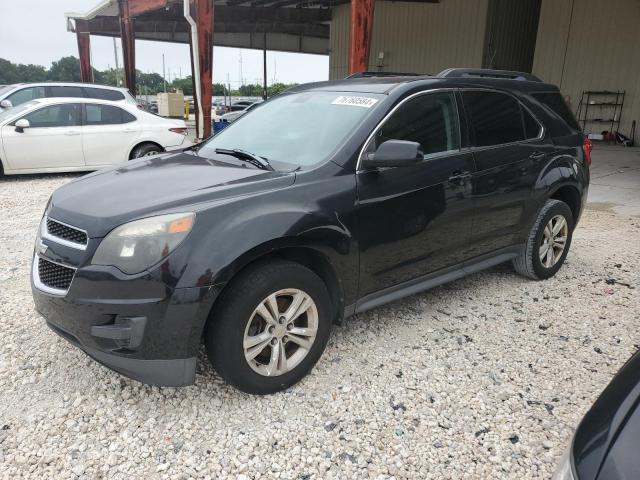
<point>138,245</point>
<point>564,470</point>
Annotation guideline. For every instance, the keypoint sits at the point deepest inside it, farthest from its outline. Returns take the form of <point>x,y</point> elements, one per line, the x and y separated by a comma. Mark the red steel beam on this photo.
<point>127,35</point>
<point>84,50</point>
<point>203,16</point>
<point>360,38</point>
<point>138,7</point>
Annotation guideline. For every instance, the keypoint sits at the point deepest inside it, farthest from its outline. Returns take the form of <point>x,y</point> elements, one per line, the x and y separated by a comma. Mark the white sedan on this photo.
<point>75,134</point>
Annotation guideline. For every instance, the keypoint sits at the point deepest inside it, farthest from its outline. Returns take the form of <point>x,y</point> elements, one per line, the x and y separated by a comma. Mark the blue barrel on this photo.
<point>219,125</point>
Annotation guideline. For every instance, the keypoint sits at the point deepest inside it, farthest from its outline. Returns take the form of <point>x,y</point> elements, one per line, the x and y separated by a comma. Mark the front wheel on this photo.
<point>270,327</point>
<point>548,242</point>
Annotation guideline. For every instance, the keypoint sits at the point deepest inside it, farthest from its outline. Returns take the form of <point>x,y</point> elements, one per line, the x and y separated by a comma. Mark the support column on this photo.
<point>360,39</point>
<point>264,67</point>
<point>201,21</point>
<point>84,50</point>
<point>127,34</point>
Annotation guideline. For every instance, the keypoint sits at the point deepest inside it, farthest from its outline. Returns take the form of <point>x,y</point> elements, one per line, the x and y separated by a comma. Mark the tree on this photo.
<point>219,90</point>
<point>67,69</point>
<point>277,88</point>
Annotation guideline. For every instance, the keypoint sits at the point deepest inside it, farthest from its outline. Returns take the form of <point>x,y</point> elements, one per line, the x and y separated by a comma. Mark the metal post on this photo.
<point>84,50</point>
<point>360,39</point>
<point>115,54</point>
<point>264,66</point>
<point>127,35</point>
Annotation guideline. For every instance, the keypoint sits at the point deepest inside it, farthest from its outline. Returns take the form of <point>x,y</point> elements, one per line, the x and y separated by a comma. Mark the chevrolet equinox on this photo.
<point>327,200</point>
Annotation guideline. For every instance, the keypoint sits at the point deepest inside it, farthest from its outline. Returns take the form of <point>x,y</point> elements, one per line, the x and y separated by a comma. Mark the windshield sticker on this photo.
<point>365,102</point>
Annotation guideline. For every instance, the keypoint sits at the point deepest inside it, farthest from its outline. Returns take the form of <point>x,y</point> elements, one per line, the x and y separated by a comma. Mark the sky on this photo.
<point>34,31</point>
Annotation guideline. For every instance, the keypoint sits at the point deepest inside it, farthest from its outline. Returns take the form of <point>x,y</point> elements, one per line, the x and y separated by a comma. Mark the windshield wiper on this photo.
<point>249,157</point>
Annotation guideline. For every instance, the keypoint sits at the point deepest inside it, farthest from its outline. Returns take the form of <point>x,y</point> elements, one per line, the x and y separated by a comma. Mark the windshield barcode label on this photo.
<point>365,102</point>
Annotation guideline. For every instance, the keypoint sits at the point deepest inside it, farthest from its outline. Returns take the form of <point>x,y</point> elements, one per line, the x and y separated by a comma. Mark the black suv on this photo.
<point>328,200</point>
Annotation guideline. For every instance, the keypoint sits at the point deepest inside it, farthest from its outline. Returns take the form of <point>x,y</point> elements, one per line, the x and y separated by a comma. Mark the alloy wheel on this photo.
<point>554,241</point>
<point>280,332</point>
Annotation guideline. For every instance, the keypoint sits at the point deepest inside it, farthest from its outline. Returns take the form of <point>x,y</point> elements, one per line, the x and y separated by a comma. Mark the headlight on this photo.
<point>136,246</point>
<point>564,470</point>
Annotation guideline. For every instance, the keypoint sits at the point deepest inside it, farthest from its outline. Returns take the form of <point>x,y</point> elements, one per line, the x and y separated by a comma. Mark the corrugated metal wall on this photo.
<point>591,45</point>
<point>415,37</point>
<point>510,39</point>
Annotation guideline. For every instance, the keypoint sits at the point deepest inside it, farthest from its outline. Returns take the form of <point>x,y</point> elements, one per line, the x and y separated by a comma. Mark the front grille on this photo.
<point>57,229</point>
<point>53,275</point>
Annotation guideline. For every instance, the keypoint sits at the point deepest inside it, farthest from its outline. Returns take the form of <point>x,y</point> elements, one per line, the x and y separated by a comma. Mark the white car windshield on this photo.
<point>6,88</point>
<point>301,129</point>
<point>15,111</point>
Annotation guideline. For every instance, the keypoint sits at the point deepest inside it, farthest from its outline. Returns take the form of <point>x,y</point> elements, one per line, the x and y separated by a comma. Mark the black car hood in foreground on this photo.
<point>606,444</point>
<point>100,201</point>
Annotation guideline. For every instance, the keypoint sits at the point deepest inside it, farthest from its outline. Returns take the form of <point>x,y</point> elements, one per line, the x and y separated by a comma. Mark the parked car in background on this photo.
<point>70,134</point>
<point>19,93</point>
<point>328,200</point>
<point>233,116</point>
<point>605,444</point>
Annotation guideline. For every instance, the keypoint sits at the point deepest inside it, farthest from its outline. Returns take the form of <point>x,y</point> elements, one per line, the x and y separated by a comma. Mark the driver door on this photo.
<point>52,140</point>
<point>416,219</point>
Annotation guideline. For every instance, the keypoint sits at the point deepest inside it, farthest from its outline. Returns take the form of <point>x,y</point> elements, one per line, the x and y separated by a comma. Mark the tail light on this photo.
<point>181,131</point>
<point>587,146</point>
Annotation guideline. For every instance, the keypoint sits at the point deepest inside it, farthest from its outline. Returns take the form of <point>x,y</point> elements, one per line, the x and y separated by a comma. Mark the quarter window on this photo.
<point>496,118</point>
<point>25,95</point>
<point>531,126</point>
<point>65,115</point>
<point>430,119</point>
<point>106,115</point>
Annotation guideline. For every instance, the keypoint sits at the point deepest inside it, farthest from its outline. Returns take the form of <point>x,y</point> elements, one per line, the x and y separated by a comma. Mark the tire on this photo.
<point>145,149</point>
<point>529,263</point>
<point>235,323</point>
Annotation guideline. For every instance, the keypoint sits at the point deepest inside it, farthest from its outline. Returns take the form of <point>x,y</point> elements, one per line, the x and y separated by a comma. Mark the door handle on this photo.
<point>537,155</point>
<point>459,177</point>
<point>72,132</point>
<point>128,130</point>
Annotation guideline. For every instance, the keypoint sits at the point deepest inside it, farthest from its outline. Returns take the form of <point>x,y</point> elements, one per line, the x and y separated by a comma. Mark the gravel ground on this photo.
<point>483,378</point>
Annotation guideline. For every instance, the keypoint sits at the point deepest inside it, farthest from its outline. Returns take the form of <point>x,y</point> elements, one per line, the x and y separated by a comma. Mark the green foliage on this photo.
<point>67,69</point>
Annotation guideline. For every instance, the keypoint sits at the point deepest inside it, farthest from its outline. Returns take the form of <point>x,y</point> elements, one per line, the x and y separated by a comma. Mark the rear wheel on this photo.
<point>270,327</point>
<point>548,242</point>
<point>145,150</point>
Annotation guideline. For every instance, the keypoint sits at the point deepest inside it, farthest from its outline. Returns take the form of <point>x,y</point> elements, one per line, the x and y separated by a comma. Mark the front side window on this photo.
<point>495,118</point>
<point>64,91</point>
<point>106,115</point>
<point>65,115</point>
<point>430,120</point>
<point>25,95</point>
<point>299,129</point>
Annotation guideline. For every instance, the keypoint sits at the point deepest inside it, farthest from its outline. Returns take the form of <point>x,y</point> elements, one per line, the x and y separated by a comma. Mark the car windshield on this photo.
<point>300,129</point>
<point>6,88</point>
<point>15,111</point>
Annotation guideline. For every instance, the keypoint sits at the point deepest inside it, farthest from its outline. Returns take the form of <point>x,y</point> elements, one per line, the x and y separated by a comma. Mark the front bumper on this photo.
<point>152,340</point>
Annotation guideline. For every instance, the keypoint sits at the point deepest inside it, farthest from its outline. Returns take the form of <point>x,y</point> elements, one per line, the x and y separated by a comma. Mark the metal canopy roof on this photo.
<point>289,25</point>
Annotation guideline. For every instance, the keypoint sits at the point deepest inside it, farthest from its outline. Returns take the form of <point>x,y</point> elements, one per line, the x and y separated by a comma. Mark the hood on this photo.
<point>605,445</point>
<point>102,200</point>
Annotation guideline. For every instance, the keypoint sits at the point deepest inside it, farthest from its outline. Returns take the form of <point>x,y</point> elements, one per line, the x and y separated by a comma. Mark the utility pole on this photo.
<point>164,77</point>
<point>264,66</point>
<point>115,54</point>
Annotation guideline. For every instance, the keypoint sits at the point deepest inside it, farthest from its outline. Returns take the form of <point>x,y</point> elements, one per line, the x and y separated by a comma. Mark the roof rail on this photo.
<point>487,73</point>
<point>381,74</point>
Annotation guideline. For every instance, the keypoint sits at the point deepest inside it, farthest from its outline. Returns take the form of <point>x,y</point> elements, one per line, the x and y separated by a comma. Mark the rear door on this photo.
<point>509,151</point>
<point>108,134</point>
<point>53,140</point>
<point>416,219</point>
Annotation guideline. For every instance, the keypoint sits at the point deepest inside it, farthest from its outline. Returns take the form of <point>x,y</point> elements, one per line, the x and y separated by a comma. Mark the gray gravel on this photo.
<point>483,378</point>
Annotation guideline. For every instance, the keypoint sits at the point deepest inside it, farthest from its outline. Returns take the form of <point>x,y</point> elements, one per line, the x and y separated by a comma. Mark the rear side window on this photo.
<point>64,91</point>
<point>430,119</point>
<point>555,102</point>
<point>103,94</point>
<point>496,118</point>
<point>106,115</point>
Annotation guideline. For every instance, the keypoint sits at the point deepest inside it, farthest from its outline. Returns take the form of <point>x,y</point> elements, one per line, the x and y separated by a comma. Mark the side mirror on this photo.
<point>394,153</point>
<point>6,104</point>
<point>22,124</point>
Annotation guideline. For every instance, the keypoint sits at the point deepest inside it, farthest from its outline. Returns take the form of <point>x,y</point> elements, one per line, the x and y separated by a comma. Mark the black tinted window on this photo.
<point>25,95</point>
<point>56,91</point>
<point>431,120</point>
<point>495,118</point>
<point>103,94</point>
<point>106,115</point>
<point>531,126</point>
<point>66,115</point>
<point>555,102</point>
